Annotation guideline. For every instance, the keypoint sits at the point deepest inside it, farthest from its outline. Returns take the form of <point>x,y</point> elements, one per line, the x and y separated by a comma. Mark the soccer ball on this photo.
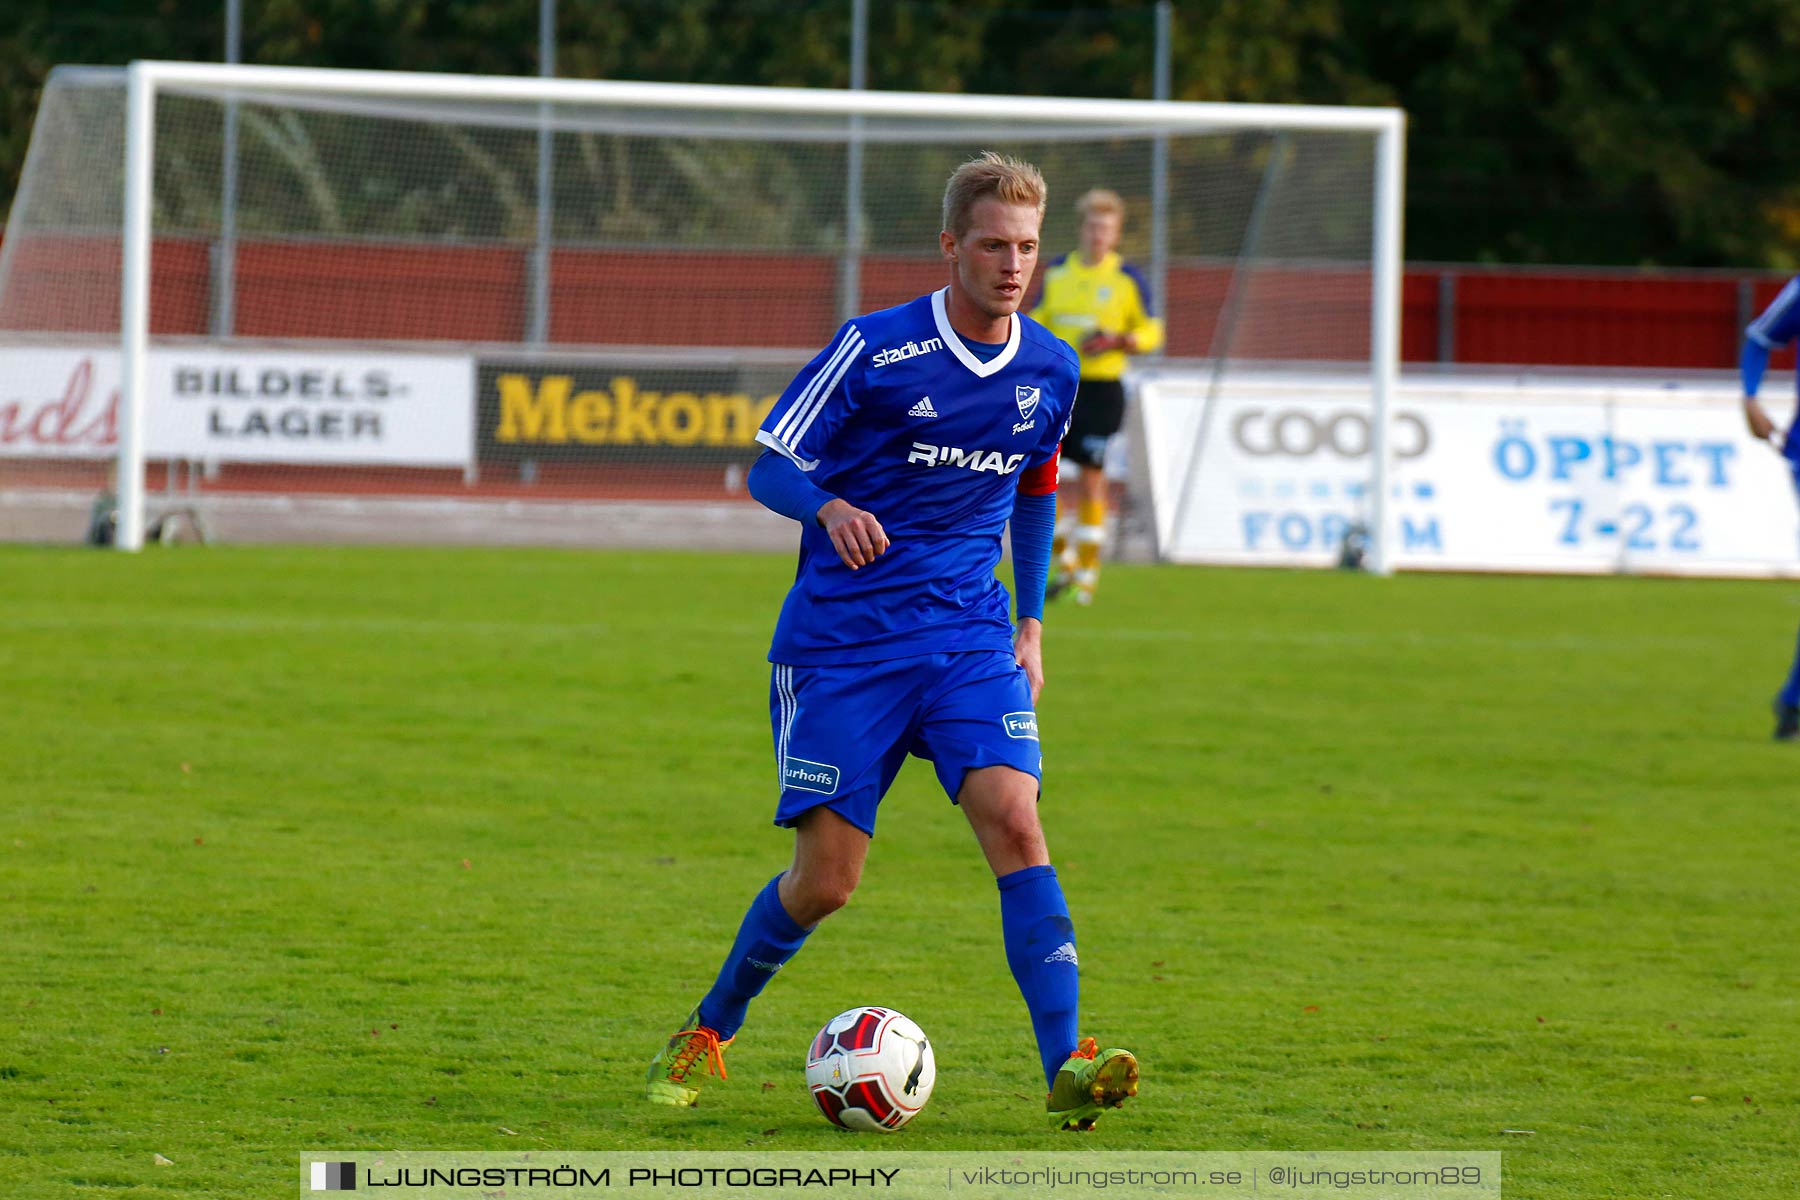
<point>870,1069</point>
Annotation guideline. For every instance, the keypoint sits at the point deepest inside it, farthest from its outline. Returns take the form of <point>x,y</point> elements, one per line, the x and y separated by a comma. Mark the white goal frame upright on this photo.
<point>147,78</point>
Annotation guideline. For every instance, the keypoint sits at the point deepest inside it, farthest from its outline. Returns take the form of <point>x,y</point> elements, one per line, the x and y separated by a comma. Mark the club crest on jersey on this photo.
<point>956,456</point>
<point>1027,398</point>
<point>910,350</point>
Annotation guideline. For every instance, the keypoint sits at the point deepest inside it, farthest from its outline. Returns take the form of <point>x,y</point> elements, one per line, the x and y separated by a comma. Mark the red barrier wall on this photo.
<point>1596,321</point>
<point>1548,317</point>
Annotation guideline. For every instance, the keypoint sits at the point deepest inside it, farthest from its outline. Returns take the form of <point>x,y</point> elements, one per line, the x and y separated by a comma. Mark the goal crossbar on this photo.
<point>1171,114</point>
<point>147,78</point>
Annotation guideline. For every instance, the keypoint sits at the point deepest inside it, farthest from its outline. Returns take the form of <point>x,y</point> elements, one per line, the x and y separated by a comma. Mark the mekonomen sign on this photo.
<point>600,411</point>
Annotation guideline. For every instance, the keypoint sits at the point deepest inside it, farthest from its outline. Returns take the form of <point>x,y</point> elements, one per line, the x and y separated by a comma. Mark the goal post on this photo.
<point>1384,331</point>
<point>134,303</point>
<point>742,190</point>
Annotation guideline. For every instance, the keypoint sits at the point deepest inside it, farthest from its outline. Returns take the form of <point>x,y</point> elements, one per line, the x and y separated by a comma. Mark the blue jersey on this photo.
<point>1778,325</point>
<point>899,417</point>
<point>1779,322</point>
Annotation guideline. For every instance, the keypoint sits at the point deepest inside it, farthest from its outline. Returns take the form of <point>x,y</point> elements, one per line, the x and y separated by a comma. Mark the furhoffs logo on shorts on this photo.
<point>803,776</point>
<point>1022,725</point>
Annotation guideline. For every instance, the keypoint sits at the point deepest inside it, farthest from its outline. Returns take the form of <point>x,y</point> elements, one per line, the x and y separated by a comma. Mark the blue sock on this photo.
<point>1790,691</point>
<point>767,939</point>
<point>1040,949</point>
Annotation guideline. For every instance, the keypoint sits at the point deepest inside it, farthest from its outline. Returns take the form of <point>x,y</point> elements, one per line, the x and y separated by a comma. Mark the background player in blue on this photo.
<point>1777,326</point>
<point>903,449</point>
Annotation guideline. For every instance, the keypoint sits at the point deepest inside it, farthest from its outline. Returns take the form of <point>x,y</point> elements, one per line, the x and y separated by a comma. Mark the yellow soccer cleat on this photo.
<point>672,1079</point>
<point>1091,1081</point>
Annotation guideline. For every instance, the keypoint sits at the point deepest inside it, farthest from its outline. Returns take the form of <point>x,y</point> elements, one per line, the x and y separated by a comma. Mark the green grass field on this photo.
<point>375,848</point>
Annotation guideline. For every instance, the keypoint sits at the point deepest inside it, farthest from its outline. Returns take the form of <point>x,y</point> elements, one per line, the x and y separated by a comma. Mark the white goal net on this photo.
<point>299,303</point>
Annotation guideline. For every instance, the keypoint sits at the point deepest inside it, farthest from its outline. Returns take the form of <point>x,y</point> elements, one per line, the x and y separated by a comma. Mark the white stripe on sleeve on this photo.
<point>825,393</point>
<point>782,448</point>
<point>792,427</point>
<point>1758,330</point>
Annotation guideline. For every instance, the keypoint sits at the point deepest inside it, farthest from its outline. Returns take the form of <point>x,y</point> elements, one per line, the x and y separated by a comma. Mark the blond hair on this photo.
<point>1100,200</point>
<point>988,174</point>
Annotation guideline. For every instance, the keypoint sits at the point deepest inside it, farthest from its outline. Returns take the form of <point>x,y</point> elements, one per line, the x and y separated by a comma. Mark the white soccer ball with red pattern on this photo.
<point>870,1069</point>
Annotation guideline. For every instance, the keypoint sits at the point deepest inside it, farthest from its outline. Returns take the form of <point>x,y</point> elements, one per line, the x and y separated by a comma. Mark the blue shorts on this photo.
<point>842,732</point>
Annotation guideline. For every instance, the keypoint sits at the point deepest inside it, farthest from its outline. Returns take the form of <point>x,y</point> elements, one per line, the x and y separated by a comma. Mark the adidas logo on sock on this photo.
<point>922,409</point>
<point>1063,953</point>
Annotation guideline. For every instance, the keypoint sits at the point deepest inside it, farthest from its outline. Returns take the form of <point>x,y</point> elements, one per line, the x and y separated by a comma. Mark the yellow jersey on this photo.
<point>1112,296</point>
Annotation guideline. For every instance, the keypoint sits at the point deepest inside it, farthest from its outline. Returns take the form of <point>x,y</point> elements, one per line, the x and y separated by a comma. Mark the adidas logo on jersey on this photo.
<point>922,409</point>
<point>910,350</point>
<point>1063,953</point>
<point>956,456</point>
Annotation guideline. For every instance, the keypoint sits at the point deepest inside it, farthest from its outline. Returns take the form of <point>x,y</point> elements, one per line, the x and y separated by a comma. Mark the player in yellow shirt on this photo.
<point>1100,305</point>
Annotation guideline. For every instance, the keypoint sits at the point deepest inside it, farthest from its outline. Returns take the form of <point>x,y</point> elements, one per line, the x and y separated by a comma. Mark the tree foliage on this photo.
<point>1609,132</point>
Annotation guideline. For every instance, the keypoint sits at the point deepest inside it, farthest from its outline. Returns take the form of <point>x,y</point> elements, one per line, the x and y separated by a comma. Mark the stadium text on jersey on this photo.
<point>910,350</point>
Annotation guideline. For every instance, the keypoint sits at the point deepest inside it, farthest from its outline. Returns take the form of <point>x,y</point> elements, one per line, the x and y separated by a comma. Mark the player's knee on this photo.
<point>812,896</point>
<point>1009,827</point>
<point>1023,837</point>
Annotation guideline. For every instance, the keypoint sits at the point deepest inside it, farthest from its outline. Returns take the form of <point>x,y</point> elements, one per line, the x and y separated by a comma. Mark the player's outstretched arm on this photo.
<point>1778,325</point>
<point>1751,365</point>
<point>1762,426</point>
<point>1028,652</point>
<point>1033,528</point>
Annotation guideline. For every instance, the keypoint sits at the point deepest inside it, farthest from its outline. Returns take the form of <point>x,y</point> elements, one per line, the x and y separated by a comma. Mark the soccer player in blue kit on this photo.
<point>902,450</point>
<point>1777,326</point>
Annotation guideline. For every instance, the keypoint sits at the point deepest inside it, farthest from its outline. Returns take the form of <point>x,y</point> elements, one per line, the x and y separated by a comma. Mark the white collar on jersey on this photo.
<point>962,352</point>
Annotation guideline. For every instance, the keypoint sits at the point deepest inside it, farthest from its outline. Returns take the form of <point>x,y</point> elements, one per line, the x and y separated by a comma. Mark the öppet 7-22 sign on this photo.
<point>1500,474</point>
